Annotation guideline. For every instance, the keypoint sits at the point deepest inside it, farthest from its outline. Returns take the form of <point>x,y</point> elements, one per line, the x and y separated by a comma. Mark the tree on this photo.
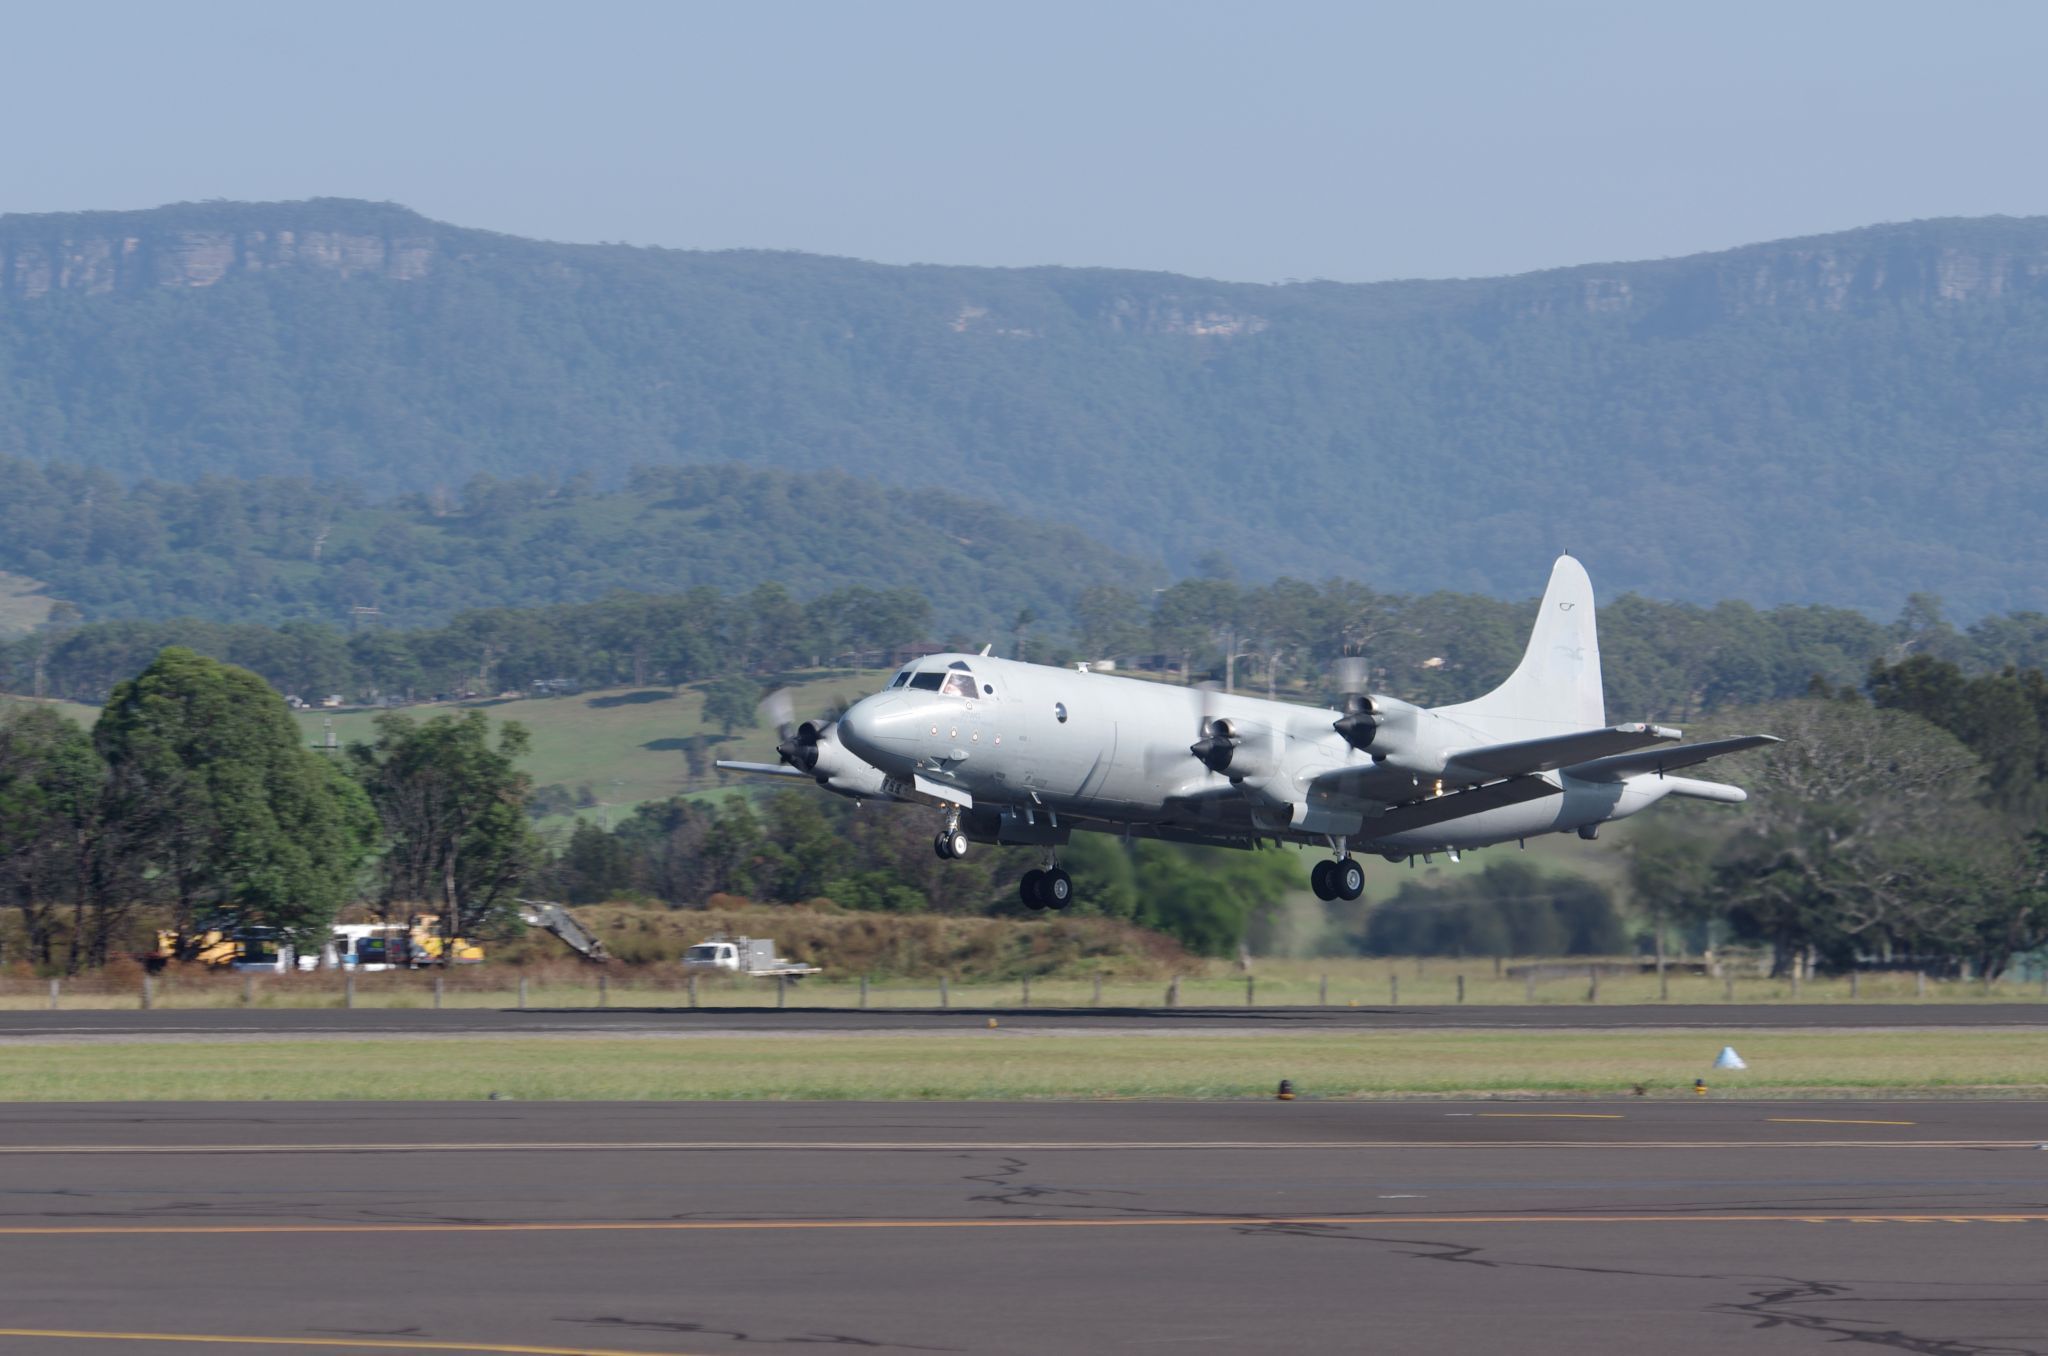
<point>452,804</point>
<point>219,806</point>
<point>730,702</point>
<point>51,783</point>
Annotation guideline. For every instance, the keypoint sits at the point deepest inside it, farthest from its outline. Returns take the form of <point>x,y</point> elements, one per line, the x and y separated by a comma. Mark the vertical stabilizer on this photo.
<point>1556,687</point>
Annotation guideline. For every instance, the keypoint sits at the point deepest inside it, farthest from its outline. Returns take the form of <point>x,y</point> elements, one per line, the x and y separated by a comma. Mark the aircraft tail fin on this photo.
<point>1557,684</point>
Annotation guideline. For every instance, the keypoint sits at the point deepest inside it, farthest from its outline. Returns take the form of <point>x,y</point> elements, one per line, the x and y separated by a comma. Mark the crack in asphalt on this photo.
<point>687,1328</point>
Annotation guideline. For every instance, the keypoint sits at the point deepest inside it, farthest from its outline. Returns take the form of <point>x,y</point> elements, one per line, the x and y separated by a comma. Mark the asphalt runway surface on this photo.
<point>987,1227</point>
<point>281,1022</point>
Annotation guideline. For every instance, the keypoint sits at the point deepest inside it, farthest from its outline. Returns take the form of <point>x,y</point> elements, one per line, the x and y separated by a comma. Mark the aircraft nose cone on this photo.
<point>881,730</point>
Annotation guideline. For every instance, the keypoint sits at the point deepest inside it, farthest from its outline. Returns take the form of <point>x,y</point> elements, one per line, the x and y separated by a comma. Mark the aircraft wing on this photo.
<point>1420,814</point>
<point>1556,751</point>
<point>761,769</point>
<point>1614,768</point>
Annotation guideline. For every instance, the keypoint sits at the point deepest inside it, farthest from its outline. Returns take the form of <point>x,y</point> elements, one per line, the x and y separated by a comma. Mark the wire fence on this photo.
<point>1357,984</point>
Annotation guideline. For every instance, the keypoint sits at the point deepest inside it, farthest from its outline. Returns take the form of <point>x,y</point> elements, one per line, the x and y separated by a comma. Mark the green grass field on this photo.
<point>999,1064</point>
<point>624,744</point>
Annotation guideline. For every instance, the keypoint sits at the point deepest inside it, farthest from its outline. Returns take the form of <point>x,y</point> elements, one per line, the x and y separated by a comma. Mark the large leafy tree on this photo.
<point>452,803</point>
<point>220,807</point>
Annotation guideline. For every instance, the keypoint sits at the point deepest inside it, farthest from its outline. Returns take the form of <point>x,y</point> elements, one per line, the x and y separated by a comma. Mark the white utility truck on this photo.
<point>745,956</point>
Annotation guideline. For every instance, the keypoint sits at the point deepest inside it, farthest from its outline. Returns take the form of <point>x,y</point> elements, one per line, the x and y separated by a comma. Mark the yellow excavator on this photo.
<point>225,945</point>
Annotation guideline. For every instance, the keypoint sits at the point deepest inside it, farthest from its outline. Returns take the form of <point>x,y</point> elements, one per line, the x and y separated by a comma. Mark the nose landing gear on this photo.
<point>951,844</point>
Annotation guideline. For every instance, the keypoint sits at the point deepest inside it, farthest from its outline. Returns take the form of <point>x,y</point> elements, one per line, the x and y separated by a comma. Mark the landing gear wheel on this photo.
<point>1349,878</point>
<point>1057,889</point>
<point>1030,889</point>
<point>942,848</point>
<point>1322,880</point>
<point>956,845</point>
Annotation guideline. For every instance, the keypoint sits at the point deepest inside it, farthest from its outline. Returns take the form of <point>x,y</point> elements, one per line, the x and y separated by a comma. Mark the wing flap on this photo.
<point>1555,751</point>
<point>1420,814</point>
<point>1614,768</point>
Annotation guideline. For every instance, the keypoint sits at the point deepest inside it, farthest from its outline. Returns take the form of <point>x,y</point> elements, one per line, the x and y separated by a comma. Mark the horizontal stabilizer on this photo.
<point>1663,760</point>
<point>761,769</point>
<point>1421,814</point>
<point>1556,751</point>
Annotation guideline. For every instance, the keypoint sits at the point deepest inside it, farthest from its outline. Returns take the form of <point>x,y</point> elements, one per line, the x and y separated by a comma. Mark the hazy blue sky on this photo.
<point>1241,141</point>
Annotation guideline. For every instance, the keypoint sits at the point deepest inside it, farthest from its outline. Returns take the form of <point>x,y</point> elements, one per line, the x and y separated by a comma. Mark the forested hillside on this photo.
<point>271,550</point>
<point>1845,419</point>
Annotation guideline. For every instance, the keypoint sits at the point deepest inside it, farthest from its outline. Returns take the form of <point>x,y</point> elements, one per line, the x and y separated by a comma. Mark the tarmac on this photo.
<point>198,1023</point>
<point>1546,1227</point>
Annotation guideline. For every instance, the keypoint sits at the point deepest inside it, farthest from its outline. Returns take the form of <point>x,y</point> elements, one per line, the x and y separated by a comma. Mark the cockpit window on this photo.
<point>957,664</point>
<point>901,679</point>
<point>959,685</point>
<point>926,682</point>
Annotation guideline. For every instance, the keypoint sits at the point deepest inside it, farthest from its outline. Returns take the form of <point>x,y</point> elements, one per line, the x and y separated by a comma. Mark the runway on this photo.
<point>989,1227</point>
<point>298,1023</point>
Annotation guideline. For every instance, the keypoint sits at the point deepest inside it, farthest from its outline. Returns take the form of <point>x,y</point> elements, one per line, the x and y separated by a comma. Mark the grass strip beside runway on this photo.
<point>1003,1065</point>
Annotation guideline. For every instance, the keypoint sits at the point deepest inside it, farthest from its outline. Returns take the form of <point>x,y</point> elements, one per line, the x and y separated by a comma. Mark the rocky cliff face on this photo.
<point>98,263</point>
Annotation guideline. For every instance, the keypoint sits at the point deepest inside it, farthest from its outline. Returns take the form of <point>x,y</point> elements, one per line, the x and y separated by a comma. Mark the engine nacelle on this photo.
<point>837,769</point>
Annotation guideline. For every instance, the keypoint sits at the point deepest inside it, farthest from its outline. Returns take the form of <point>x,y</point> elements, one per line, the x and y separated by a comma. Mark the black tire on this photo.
<point>1321,880</point>
<point>1349,879</point>
<point>956,845</point>
<point>1030,887</point>
<point>1057,889</point>
<point>939,848</point>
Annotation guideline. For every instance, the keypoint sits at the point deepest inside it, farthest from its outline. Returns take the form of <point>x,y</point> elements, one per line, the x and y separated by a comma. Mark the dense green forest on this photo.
<point>1849,418</point>
<point>1667,661</point>
<point>272,550</point>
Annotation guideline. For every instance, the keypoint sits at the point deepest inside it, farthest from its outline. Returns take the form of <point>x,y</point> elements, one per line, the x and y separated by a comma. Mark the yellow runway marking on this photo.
<point>837,1225</point>
<point>352,1343</point>
<point>1828,1120</point>
<point>1548,1116</point>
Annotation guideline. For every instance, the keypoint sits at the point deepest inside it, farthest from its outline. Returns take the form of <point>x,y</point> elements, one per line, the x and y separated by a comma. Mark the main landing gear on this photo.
<point>1338,878</point>
<point>1050,888</point>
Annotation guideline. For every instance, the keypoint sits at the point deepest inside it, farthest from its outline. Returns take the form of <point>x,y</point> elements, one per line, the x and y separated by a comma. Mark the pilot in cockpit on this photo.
<point>959,685</point>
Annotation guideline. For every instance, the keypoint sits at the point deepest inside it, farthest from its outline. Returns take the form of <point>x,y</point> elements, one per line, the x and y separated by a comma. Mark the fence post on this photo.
<point>1663,985</point>
<point>1461,988</point>
<point>522,993</point>
<point>55,989</point>
<point>2044,981</point>
<point>1027,991</point>
<point>1250,989</point>
<point>863,992</point>
<point>1919,984</point>
<point>1529,985</point>
<point>1728,988</point>
<point>1797,966</point>
<point>1592,984</point>
<point>437,992</point>
<point>781,990</point>
<point>1393,989</point>
<point>1097,1000</point>
<point>692,985</point>
<point>248,989</point>
<point>1853,986</point>
<point>945,993</point>
<point>604,989</point>
<point>1173,992</point>
<point>148,991</point>
<point>1323,992</point>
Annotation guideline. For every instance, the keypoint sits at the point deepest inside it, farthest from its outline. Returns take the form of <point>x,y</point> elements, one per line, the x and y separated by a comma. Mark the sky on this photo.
<point>1253,142</point>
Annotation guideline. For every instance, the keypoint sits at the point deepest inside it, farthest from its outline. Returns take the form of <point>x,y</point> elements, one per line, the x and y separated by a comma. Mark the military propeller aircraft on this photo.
<point>1016,753</point>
